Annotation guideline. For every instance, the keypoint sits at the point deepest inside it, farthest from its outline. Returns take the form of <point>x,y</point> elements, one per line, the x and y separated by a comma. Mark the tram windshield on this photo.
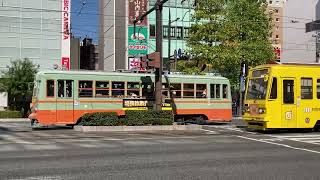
<point>257,85</point>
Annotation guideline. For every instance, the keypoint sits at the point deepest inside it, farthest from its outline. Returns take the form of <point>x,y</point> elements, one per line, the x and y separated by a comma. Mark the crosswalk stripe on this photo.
<point>15,139</point>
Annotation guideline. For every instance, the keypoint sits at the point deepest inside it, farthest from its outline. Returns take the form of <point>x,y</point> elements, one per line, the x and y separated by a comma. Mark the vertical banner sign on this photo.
<point>137,8</point>
<point>65,35</point>
<point>138,44</point>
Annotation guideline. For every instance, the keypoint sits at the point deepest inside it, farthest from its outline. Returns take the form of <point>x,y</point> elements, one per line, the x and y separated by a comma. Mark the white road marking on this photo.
<point>15,139</point>
<point>278,144</point>
<point>307,138</point>
<point>210,131</point>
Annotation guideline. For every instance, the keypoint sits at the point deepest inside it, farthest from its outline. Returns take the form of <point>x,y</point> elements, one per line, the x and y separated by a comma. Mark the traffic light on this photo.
<point>150,61</point>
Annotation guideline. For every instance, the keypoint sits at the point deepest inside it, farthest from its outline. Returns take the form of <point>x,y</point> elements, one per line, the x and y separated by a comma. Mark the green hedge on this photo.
<point>132,118</point>
<point>100,119</point>
<point>10,114</point>
<point>150,117</point>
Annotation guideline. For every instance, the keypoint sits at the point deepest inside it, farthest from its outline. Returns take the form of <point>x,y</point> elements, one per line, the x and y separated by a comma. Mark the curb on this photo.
<point>15,120</point>
<point>138,128</point>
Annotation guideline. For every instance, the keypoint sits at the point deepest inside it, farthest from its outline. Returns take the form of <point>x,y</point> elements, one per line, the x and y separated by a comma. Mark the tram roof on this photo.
<point>111,73</point>
<point>289,64</point>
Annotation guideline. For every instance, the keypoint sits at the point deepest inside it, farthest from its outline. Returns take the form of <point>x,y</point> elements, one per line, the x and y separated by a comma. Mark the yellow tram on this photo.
<point>283,96</point>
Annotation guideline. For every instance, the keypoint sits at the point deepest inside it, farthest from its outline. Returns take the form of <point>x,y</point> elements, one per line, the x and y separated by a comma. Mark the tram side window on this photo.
<point>188,90</point>
<point>201,90</point>
<point>50,88</point>
<point>133,89</point>
<point>165,90</point>
<point>288,91</point>
<point>274,87</point>
<point>69,88</point>
<point>176,90</point>
<point>225,91</point>
<point>85,89</point>
<point>102,88</point>
<point>306,88</point>
<point>60,88</point>
<point>118,89</point>
<point>318,88</point>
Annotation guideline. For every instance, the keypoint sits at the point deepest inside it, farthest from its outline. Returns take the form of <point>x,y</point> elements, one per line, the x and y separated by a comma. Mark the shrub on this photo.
<point>132,118</point>
<point>100,119</point>
<point>10,114</point>
<point>150,117</point>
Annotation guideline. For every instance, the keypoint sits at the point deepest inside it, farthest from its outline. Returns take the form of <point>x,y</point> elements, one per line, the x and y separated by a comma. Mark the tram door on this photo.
<point>65,99</point>
<point>289,103</point>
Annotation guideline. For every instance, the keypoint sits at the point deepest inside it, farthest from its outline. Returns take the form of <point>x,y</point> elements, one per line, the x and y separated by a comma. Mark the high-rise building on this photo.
<point>275,10</point>
<point>298,45</point>
<point>38,30</point>
<point>120,48</point>
<point>88,55</point>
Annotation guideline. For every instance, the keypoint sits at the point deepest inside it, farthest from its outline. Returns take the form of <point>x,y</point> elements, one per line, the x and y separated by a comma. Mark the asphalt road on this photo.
<point>218,152</point>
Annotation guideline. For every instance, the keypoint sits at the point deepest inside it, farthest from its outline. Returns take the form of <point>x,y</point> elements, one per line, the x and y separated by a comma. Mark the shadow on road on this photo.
<point>51,128</point>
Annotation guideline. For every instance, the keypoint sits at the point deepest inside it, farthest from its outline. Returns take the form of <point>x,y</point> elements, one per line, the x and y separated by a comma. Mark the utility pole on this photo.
<point>169,39</point>
<point>158,76</point>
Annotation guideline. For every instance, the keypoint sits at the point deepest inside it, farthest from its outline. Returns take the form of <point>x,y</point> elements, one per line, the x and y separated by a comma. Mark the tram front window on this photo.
<point>257,88</point>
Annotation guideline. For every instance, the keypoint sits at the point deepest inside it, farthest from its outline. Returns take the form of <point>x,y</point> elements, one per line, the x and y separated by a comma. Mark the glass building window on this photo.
<point>179,33</point>
<point>172,31</point>
<point>165,31</point>
<point>186,33</point>
<point>152,30</point>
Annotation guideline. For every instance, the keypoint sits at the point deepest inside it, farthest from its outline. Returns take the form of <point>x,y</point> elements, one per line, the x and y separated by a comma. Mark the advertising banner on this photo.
<point>136,9</point>
<point>65,35</point>
<point>138,43</point>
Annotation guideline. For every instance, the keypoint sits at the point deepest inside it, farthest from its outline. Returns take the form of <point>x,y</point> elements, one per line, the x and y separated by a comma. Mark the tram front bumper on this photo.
<point>255,123</point>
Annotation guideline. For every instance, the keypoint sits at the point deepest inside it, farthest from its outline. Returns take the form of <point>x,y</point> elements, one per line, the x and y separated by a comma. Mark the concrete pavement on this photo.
<point>218,152</point>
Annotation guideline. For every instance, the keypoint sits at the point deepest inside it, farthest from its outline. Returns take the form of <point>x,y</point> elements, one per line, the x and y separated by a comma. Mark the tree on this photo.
<point>227,33</point>
<point>17,81</point>
<point>205,33</point>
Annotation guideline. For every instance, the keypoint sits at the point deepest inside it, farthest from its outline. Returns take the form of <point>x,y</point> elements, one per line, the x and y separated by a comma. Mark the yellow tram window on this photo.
<point>306,88</point>
<point>274,88</point>
<point>318,88</point>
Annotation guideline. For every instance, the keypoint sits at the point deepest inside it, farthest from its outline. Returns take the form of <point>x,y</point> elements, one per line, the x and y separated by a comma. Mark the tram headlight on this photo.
<point>261,110</point>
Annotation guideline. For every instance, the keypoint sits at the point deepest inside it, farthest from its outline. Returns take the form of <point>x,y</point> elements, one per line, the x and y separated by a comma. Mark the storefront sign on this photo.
<point>136,9</point>
<point>138,43</point>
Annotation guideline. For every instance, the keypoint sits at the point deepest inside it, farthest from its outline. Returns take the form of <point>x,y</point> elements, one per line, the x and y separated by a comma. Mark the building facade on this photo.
<point>297,45</point>
<point>120,48</point>
<point>275,10</point>
<point>89,55</point>
<point>38,30</point>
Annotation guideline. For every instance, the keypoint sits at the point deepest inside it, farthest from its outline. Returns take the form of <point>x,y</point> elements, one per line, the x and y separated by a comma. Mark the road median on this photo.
<point>192,127</point>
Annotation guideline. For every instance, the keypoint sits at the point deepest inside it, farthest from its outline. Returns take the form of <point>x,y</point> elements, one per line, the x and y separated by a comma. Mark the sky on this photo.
<point>85,19</point>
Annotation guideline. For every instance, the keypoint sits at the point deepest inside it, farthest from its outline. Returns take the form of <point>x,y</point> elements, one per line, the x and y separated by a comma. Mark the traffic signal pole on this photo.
<point>158,74</point>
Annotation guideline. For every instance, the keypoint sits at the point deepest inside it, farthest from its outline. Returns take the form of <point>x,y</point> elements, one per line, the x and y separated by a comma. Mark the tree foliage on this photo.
<point>227,33</point>
<point>18,82</point>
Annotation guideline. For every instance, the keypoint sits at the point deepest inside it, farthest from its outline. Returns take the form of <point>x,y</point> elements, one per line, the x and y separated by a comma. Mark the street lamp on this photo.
<point>169,38</point>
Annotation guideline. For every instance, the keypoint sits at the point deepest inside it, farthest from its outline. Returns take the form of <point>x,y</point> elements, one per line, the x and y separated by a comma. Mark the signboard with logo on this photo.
<point>65,35</point>
<point>136,9</point>
<point>277,52</point>
<point>135,103</point>
<point>134,63</point>
<point>137,43</point>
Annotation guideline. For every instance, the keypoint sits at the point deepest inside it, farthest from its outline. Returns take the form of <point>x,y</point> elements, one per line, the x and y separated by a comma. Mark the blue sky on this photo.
<point>85,19</point>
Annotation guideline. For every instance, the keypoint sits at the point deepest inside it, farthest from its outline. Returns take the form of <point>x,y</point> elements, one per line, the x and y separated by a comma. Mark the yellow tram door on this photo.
<point>289,103</point>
